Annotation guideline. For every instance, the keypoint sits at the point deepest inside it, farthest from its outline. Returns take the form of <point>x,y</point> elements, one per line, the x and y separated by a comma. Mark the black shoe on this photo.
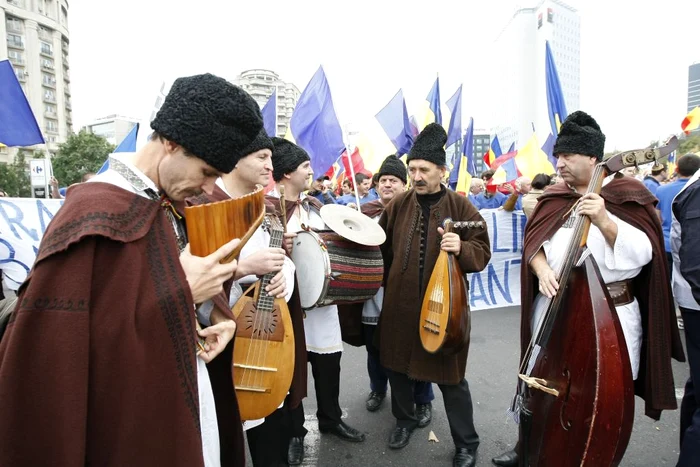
<point>424,414</point>
<point>399,437</point>
<point>295,453</point>
<point>345,431</point>
<point>464,458</point>
<point>374,401</point>
<point>507,459</point>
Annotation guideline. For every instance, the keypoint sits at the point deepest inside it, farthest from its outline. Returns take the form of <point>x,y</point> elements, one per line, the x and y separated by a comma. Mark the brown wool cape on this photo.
<point>399,342</point>
<point>98,363</point>
<point>628,199</point>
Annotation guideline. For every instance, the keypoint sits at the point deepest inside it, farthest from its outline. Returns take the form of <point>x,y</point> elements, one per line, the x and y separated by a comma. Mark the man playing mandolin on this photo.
<point>412,222</point>
<point>626,242</point>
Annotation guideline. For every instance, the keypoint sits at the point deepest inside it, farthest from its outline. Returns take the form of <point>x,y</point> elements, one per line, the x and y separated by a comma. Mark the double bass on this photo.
<point>575,397</point>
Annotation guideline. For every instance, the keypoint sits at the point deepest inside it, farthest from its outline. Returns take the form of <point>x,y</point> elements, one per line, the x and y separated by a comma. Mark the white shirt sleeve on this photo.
<point>632,248</point>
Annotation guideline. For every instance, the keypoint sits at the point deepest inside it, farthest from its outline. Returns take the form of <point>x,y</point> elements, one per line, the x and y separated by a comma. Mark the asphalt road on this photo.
<point>491,370</point>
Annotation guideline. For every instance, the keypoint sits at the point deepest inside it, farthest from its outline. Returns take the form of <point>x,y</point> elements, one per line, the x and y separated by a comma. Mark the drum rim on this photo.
<point>327,267</point>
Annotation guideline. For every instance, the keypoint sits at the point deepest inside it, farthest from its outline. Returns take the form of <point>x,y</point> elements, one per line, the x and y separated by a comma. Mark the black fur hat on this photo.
<point>286,157</point>
<point>211,118</point>
<point>580,134</point>
<point>262,141</point>
<point>392,165</point>
<point>430,145</point>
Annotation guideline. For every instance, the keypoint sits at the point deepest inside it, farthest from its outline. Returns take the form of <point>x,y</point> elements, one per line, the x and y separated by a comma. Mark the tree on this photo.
<point>82,153</point>
<point>14,178</point>
<point>689,144</point>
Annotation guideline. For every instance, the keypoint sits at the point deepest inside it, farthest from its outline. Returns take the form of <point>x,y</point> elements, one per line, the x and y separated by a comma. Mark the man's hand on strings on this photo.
<point>261,262</point>
<point>450,242</point>
<point>593,206</point>
<point>277,286</point>
<point>206,276</point>
<point>216,338</point>
<point>548,282</point>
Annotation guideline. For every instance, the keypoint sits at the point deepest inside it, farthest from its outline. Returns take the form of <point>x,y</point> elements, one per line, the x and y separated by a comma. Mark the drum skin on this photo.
<point>333,270</point>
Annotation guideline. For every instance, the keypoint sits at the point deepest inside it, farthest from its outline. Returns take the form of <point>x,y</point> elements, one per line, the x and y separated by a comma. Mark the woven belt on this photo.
<point>621,292</point>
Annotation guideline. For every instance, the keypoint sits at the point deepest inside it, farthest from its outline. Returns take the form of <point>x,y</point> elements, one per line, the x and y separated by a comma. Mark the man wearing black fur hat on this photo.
<point>267,440</point>
<point>627,243</point>
<point>413,226</point>
<point>324,345</point>
<point>391,181</point>
<point>100,363</point>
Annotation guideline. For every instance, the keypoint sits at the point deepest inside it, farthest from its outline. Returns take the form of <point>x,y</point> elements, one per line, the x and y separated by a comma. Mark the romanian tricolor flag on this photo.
<point>555,97</point>
<point>432,112</point>
<point>493,153</point>
<point>691,121</point>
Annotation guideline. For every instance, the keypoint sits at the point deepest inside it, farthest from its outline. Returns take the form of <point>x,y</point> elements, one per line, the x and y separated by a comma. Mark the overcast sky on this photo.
<point>634,59</point>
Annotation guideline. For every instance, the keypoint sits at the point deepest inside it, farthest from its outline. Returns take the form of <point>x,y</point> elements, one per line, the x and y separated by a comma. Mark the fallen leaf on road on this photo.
<point>432,437</point>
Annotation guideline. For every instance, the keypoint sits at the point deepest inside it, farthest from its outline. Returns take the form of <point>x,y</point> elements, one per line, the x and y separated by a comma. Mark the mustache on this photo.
<point>420,183</point>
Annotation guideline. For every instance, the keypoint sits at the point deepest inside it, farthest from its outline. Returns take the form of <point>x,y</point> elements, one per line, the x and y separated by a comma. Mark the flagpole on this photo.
<point>277,100</point>
<point>352,168</point>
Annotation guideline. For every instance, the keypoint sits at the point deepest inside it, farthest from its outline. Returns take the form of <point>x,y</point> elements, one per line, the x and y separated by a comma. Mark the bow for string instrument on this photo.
<point>575,398</point>
<point>445,321</point>
<point>263,357</point>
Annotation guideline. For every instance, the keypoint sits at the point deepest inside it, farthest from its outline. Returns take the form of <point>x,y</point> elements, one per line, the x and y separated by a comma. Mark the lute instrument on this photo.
<point>575,398</point>
<point>263,357</point>
<point>445,320</point>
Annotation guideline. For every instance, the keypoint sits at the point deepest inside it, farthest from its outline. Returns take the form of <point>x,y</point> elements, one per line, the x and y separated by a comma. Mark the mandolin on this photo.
<point>445,321</point>
<point>263,357</point>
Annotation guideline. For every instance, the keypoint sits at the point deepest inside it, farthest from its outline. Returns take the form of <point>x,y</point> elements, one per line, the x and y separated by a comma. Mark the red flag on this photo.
<point>358,164</point>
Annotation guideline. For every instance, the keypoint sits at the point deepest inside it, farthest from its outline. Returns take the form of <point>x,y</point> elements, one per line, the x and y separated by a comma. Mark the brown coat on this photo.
<point>400,346</point>
<point>628,199</point>
<point>98,364</point>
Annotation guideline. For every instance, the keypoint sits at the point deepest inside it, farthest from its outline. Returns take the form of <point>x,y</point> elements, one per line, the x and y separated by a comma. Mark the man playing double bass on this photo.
<point>414,238</point>
<point>626,241</point>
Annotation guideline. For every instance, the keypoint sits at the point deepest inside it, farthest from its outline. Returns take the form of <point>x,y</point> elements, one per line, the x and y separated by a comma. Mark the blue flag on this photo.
<point>128,144</point>
<point>467,156</point>
<point>18,127</point>
<point>555,97</point>
<point>511,148</point>
<point>434,101</point>
<point>269,113</point>
<point>548,148</point>
<point>394,120</point>
<point>496,147</point>
<point>315,126</point>
<point>455,105</point>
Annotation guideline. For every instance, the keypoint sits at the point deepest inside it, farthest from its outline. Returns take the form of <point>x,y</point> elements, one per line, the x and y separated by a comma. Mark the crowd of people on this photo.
<point>118,349</point>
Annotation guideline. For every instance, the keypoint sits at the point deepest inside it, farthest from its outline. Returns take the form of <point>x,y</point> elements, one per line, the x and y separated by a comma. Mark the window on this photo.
<point>19,73</point>
<point>13,40</point>
<point>14,24</point>
<point>46,48</point>
<point>49,80</point>
<point>50,109</point>
<point>47,63</point>
<point>51,125</point>
<point>49,95</point>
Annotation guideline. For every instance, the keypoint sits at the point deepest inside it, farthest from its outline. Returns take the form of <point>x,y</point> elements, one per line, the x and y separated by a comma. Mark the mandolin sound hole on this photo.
<point>261,325</point>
